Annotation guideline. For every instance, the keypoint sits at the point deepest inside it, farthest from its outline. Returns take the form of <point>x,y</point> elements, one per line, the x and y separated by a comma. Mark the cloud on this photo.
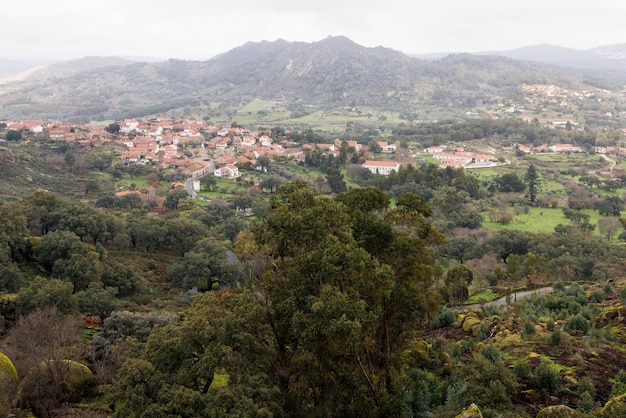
<point>199,29</point>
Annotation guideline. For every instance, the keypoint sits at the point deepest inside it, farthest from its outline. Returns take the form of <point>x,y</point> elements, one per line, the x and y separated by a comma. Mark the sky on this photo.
<point>201,29</point>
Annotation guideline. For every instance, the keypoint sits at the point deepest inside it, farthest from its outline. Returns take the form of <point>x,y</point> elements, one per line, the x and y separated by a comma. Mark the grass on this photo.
<point>539,220</point>
<point>481,297</point>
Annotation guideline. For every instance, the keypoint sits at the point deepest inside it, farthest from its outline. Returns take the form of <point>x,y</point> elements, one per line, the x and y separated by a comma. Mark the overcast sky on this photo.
<point>200,29</point>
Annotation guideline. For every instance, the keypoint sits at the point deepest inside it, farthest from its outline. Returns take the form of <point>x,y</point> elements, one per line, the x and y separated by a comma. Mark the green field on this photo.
<point>539,220</point>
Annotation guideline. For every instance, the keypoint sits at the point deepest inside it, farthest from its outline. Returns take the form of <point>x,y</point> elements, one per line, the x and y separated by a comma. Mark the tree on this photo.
<point>590,181</point>
<point>374,147</point>
<point>97,300</point>
<point>272,183</point>
<point>220,333</point>
<point>341,307</point>
<point>531,177</point>
<point>58,245</point>
<point>609,226</point>
<point>536,269</point>
<point>335,180</point>
<point>113,128</point>
<point>42,292</point>
<point>70,159</point>
<point>458,279</point>
<point>13,135</point>
<point>263,162</point>
<point>208,181</point>
<point>611,206</point>
<point>510,182</point>
<point>173,198</point>
<point>207,266</point>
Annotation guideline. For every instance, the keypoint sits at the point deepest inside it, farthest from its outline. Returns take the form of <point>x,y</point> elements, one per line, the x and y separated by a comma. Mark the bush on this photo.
<point>586,403</point>
<point>619,384</point>
<point>482,332</point>
<point>578,325</point>
<point>444,318</point>
<point>491,353</point>
<point>529,328</point>
<point>607,288</point>
<point>522,370</point>
<point>597,296</point>
<point>547,380</point>
<point>556,338</point>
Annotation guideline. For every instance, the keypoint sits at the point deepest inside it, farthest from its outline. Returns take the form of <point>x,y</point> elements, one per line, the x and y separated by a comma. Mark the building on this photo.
<point>382,167</point>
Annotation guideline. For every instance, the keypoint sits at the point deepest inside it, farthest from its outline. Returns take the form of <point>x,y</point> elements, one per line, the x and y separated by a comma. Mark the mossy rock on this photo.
<point>79,374</point>
<point>570,381</point>
<point>74,373</point>
<point>471,324</point>
<point>610,314</point>
<point>558,411</point>
<point>616,407</point>
<point>512,339</point>
<point>8,369</point>
<point>472,411</point>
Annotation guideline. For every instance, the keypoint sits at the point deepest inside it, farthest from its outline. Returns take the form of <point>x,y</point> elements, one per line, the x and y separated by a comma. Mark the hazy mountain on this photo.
<point>331,73</point>
<point>8,66</point>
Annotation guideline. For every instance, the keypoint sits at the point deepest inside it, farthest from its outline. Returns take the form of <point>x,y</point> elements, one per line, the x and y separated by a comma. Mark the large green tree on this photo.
<point>348,287</point>
<point>532,179</point>
<point>324,331</point>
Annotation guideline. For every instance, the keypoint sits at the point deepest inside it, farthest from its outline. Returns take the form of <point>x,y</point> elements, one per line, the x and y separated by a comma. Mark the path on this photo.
<point>514,297</point>
<point>609,160</point>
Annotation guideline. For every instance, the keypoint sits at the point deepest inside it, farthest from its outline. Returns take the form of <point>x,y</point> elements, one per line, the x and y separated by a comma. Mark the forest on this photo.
<point>316,289</point>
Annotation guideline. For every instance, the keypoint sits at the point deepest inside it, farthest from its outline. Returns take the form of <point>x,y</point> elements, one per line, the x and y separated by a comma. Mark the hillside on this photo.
<point>330,74</point>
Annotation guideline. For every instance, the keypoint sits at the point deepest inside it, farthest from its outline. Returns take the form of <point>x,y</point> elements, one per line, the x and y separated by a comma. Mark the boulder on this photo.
<point>8,369</point>
<point>616,407</point>
<point>472,411</point>
<point>558,411</point>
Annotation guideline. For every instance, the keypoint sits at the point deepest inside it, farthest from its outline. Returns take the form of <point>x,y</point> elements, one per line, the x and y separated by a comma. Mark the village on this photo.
<point>196,148</point>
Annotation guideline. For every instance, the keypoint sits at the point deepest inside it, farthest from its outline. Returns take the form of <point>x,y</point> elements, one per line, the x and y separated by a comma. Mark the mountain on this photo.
<point>605,61</point>
<point>8,66</point>
<point>330,74</point>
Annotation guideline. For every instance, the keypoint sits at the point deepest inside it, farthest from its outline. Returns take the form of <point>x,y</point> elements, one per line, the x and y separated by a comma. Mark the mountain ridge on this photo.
<point>332,73</point>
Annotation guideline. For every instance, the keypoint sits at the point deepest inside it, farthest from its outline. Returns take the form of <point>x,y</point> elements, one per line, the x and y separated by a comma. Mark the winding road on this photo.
<point>514,298</point>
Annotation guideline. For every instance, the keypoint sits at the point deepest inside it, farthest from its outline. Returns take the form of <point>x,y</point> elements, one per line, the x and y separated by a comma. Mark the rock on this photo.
<point>472,411</point>
<point>470,324</point>
<point>8,369</point>
<point>558,411</point>
<point>616,407</point>
<point>570,382</point>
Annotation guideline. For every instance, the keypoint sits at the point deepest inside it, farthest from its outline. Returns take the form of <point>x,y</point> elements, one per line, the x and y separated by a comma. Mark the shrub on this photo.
<point>547,380</point>
<point>607,288</point>
<point>556,338</point>
<point>586,403</point>
<point>619,384</point>
<point>529,328</point>
<point>586,385</point>
<point>445,318</point>
<point>482,332</point>
<point>578,325</point>
<point>522,370</point>
<point>597,296</point>
<point>491,353</point>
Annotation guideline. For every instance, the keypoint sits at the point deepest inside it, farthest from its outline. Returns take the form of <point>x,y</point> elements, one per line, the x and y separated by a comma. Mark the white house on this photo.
<point>381,167</point>
<point>227,171</point>
<point>386,147</point>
